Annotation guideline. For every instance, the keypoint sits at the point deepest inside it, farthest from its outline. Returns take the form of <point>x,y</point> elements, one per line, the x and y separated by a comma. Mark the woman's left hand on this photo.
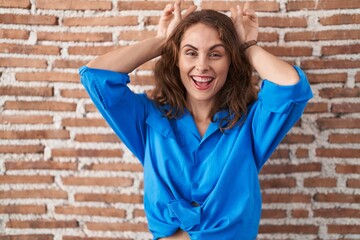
<point>245,22</point>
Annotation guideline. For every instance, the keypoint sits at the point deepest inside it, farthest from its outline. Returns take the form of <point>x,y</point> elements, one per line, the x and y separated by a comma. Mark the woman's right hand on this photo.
<point>171,17</point>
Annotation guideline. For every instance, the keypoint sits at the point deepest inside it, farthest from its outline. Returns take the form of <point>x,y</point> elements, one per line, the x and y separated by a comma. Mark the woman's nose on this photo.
<point>202,64</point>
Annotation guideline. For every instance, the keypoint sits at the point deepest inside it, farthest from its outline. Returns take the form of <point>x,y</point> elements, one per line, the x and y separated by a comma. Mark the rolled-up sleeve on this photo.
<point>123,110</point>
<point>278,108</point>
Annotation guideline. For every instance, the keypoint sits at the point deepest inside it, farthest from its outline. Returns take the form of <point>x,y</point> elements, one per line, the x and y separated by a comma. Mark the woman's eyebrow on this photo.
<point>211,48</point>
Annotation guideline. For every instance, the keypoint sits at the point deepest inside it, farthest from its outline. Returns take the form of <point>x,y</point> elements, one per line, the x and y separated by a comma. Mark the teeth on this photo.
<point>202,79</point>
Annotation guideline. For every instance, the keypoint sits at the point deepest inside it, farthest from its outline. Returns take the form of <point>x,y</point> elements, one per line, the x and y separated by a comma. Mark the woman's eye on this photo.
<point>190,53</point>
<point>216,55</point>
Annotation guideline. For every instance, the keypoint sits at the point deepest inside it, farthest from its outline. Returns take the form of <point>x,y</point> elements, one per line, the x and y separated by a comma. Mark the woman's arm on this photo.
<point>267,65</point>
<point>128,58</point>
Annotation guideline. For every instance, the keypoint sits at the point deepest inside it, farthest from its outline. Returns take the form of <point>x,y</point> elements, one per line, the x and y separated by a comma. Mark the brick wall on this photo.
<point>65,176</point>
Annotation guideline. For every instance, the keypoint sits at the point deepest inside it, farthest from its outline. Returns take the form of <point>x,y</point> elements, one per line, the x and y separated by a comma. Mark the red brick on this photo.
<point>327,78</point>
<point>90,50</point>
<point>344,138</point>
<point>273,213</point>
<point>322,35</point>
<point>345,107</point>
<point>290,168</point>
<point>339,93</point>
<point>23,209</point>
<point>139,213</point>
<point>39,165</point>
<point>98,181</point>
<point>278,183</point>
<point>357,77</point>
<point>338,152</point>
<point>74,37</point>
<point>47,77</point>
<point>285,198</point>
<point>69,152</point>
<point>268,37</point>
<point>329,64</point>
<point>282,22</point>
<point>15,4</point>
<point>91,211</point>
<point>35,134</point>
<point>300,213</point>
<point>36,194</point>
<point>28,19</point>
<point>337,213</point>
<point>42,224</point>
<point>84,122</point>
<point>146,5</point>
<point>134,227</point>
<point>260,6</point>
<point>25,119</point>
<point>27,237</point>
<point>302,153</point>
<point>136,35</point>
<point>343,229</point>
<point>290,51</point>
<point>97,138</point>
<point>336,123</point>
<point>21,179</point>
<point>102,21</point>
<point>321,4</point>
<point>26,91</point>
<point>280,154</point>
<point>74,93</point>
<point>22,62</point>
<point>353,183</point>
<point>90,108</point>
<point>21,149</point>
<point>347,169</point>
<point>314,107</point>
<point>114,167</point>
<point>40,106</point>
<point>29,49</point>
<point>298,138</point>
<point>74,5</point>
<point>297,229</point>
<point>314,182</point>
<point>108,198</point>
<point>93,238</point>
<point>14,34</point>
<point>69,64</point>
<point>337,197</point>
<point>340,19</point>
<point>344,49</point>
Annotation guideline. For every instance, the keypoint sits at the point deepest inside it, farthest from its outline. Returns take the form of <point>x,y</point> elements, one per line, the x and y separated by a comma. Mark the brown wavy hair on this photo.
<point>236,94</point>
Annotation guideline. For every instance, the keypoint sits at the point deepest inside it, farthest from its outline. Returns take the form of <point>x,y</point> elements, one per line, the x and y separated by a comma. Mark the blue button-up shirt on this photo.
<point>207,186</point>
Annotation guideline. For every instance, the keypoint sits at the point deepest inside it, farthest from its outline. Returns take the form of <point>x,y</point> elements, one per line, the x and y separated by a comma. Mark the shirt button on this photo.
<point>195,185</point>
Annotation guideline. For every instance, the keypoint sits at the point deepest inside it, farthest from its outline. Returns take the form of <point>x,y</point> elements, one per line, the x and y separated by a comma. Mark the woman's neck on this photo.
<point>200,111</point>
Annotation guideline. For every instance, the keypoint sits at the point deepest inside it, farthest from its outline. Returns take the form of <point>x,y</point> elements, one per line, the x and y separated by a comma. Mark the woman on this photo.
<point>204,135</point>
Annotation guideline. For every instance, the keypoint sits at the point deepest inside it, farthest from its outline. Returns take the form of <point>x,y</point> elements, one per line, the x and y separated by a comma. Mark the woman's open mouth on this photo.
<point>202,83</point>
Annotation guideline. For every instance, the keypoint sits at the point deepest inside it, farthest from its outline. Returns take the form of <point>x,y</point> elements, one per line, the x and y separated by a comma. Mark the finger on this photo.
<point>246,6</point>
<point>250,13</point>
<point>233,14</point>
<point>240,13</point>
<point>177,9</point>
<point>189,10</point>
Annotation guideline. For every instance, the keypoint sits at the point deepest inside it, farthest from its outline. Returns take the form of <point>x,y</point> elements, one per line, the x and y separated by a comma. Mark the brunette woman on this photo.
<point>204,135</point>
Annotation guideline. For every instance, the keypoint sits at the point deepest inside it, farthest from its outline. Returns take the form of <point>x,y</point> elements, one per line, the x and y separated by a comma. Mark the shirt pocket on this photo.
<point>166,148</point>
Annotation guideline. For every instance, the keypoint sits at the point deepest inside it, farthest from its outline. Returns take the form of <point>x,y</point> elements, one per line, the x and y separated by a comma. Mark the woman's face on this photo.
<point>203,63</point>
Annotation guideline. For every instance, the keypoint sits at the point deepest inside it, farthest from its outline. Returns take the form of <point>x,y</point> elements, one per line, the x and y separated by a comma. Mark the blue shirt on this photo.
<point>207,186</point>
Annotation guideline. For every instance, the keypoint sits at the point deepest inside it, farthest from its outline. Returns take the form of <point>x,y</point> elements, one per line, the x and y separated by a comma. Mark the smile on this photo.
<point>202,83</point>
